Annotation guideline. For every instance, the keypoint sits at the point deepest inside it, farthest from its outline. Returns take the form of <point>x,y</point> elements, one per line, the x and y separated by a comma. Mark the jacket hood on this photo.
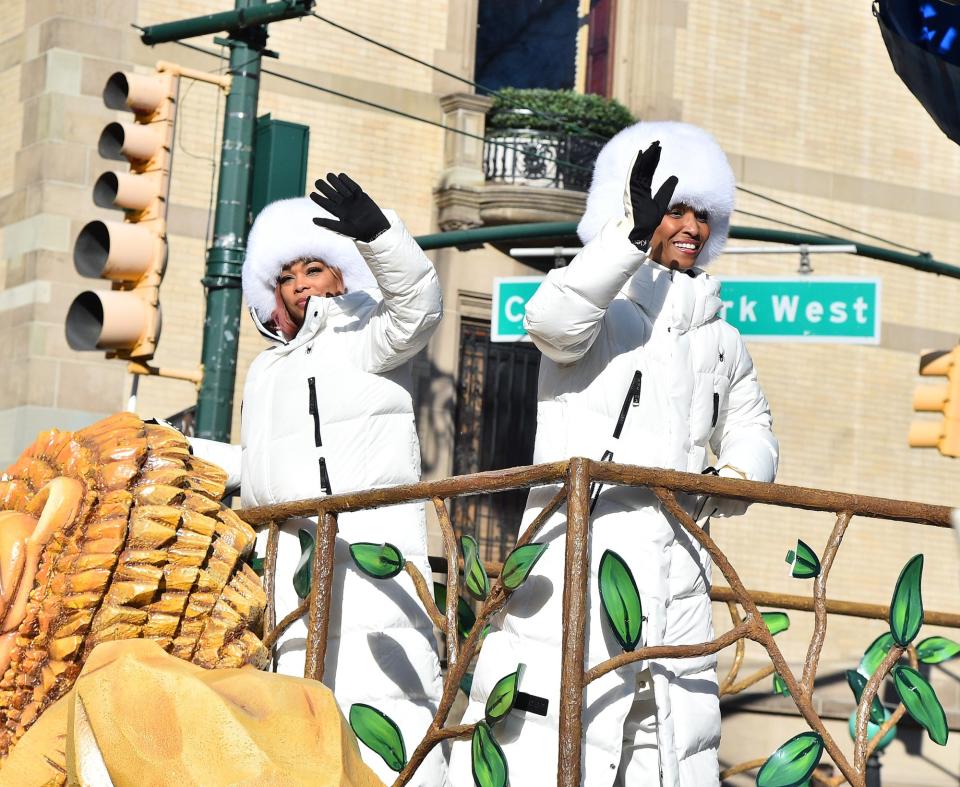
<point>706,180</point>
<point>283,232</point>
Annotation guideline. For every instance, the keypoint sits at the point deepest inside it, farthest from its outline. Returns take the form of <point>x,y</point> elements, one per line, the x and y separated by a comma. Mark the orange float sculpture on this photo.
<point>116,532</point>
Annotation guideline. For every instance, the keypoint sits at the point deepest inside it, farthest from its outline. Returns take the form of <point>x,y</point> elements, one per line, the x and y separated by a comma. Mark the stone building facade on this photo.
<point>801,96</point>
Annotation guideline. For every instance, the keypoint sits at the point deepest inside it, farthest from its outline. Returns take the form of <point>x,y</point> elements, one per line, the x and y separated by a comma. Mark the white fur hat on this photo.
<point>284,231</point>
<point>706,181</point>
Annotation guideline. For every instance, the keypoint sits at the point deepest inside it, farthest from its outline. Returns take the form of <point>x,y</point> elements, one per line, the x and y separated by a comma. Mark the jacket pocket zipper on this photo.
<point>314,411</point>
<point>596,486</point>
<point>631,399</point>
<point>324,477</point>
<point>716,409</point>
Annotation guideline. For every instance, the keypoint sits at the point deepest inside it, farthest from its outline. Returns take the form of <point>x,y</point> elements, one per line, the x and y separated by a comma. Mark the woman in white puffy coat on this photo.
<point>637,368</point>
<point>327,408</point>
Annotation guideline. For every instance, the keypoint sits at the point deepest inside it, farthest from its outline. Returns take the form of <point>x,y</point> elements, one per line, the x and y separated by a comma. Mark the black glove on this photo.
<point>646,211</point>
<point>359,217</point>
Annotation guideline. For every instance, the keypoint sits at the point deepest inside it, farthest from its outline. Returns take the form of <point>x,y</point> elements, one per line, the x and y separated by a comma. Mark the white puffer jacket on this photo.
<point>331,411</point>
<point>639,369</point>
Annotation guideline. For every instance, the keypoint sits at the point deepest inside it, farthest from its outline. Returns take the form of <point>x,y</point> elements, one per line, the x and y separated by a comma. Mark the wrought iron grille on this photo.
<point>496,422</point>
<point>546,159</point>
<point>184,421</point>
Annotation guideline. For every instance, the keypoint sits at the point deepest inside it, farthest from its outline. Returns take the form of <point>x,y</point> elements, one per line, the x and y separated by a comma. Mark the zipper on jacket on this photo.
<point>631,399</point>
<point>716,409</point>
<point>596,486</point>
<point>314,411</point>
<point>324,477</point>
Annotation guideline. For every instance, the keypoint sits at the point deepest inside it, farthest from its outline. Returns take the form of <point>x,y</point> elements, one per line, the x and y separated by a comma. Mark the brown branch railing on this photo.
<point>574,478</point>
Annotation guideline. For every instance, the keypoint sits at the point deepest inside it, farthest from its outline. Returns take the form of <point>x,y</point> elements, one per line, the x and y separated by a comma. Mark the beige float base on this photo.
<point>138,716</point>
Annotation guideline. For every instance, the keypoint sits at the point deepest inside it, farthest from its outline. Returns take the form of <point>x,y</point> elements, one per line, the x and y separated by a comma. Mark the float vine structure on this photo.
<point>793,763</point>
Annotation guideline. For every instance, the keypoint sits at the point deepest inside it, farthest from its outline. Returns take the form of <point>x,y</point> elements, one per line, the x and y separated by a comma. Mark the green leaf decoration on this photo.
<point>380,561</point>
<point>501,699</point>
<point>806,564</point>
<point>257,563</point>
<point>475,575</point>
<point>489,763</point>
<point>380,733</point>
<point>779,685</point>
<point>934,650</point>
<point>465,616</point>
<point>921,702</point>
<point>518,564</point>
<point>872,729</point>
<point>875,654</point>
<point>857,684</point>
<point>304,570</point>
<point>620,600</point>
<point>776,621</point>
<point>793,763</point>
<point>906,608</point>
<point>466,683</point>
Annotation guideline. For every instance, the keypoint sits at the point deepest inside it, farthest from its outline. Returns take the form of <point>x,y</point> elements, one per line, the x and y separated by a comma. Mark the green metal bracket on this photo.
<point>226,21</point>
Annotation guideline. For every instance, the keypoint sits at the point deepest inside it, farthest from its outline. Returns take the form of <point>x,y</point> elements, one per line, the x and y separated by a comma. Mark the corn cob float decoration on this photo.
<point>116,532</point>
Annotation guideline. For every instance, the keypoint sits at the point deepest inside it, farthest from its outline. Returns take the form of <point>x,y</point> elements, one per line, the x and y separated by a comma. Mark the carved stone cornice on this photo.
<point>508,204</point>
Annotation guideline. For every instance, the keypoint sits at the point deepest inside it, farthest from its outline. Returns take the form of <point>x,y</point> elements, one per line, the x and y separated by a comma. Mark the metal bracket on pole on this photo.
<point>223,81</point>
<point>805,266</point>
<point>194,376</point>
<point>559,260</point>
<point>239,19</point>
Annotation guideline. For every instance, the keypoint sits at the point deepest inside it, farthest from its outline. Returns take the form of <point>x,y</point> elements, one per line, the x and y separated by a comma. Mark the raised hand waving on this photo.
<point>640,205</point>
<point>358,216</point>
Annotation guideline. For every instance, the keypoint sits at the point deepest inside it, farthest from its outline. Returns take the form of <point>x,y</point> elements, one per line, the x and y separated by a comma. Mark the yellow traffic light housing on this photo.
<point>125,320</point>
<point>945,433</point>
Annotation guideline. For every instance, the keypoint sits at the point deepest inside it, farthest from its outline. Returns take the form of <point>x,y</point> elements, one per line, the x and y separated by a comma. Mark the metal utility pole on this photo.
<point>246,27</point>
<point>221,322</point>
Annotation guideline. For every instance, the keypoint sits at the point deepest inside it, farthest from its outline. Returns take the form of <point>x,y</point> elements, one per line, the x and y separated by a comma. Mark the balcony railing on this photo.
<point>574,478</point>
<point>542,159</point>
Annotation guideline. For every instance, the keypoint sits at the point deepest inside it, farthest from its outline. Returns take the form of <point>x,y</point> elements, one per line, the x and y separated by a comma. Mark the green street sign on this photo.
<point>804,309</point>
<point>510,296</point>
<point>796,309</point>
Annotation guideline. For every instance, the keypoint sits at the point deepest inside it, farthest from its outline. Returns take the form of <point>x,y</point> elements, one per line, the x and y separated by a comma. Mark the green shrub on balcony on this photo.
<point>557,110</point>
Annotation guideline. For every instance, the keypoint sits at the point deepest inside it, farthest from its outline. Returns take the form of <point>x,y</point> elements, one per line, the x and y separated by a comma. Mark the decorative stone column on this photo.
<point>458,192</point>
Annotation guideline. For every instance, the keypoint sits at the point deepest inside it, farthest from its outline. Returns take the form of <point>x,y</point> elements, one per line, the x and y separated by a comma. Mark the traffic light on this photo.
<point>945,433</point>
<point>132,253</point>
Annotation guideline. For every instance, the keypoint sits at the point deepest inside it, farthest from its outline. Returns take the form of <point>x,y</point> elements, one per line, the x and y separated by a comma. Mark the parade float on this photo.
<point>130,643</point>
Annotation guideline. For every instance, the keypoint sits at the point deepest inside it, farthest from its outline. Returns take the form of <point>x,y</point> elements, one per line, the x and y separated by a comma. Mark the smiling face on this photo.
<point>303,278</point>
<point>680,237</point>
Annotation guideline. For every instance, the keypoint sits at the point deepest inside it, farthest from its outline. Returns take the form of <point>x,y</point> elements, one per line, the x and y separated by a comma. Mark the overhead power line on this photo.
<point>401,113</point>
<point>783,223</point>
<point>436,124</point>
<point>580,130</point>
<point>827,221</point>
<point>567,124</point>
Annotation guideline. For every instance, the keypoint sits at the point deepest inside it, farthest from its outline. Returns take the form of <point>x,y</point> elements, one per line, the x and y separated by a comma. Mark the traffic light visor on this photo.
<point>125,190</point>
<point>935,362</point>
<point>135,92</point>
<point>114,250</point>
<point>128,141</point>
<point>925,434</point>
<point>108,320</point>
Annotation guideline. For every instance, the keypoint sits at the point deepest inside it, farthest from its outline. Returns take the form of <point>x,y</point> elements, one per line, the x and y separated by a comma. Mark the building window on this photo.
<point>496,422</point>
<point>527,43</point>
<point>554,44</point>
